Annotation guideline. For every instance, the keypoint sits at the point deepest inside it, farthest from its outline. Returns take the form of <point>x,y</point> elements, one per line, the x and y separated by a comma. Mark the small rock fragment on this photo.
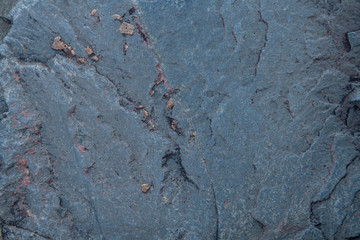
<point>125,48</point>
<point>117,17</point>
<point>69,51</point>
<point>93,12</point>
<point>81,148</point>
<point>354,96</point>
<point>72,53</point>
<point>81,60</point>
<point>146,114</point>
<point>95,58</point>
<point>89,51</point>
<point>164,199</point>
<point>354,39</point>
<point>145,187</point>
<point>173,125</point>
<point>126,28</point>
<point>152,93</point>
<point>152,125</point>
<point>140,107</point>
<point>170,104</point>
<point>58,44</point>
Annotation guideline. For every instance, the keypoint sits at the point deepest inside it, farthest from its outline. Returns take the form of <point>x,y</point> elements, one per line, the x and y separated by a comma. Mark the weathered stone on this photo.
<point>58,44</point>
<point>145,187</point>
<point>95,58</point>
<point>88,50</point>
<point>355,96</point>
<point>93,12</point>
<point>126,28</point>
<point>238,119</point>
<point>354,39</point>
<point>117,17</point>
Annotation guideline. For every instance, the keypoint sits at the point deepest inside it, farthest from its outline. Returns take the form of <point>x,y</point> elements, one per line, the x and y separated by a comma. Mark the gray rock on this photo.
<point>241,117</point>
<point>354,39</point>
<point>355,96</point>
<point>5,23</point>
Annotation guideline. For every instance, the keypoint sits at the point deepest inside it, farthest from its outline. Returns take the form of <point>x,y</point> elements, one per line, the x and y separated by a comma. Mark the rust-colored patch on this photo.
<point>21,205</point>
<point>152,93</point>
<point>25,113</point>
<point>25,181</point>
<point>81,60</point>
<point>81,148</point>
<point>146,114</point>
<point>127,28</point>
<point>145,187</point>
<point>160,78</point>
<point>174,125</point>
<point>70,51</point>
<point>13,118</point>
<point>61,46</point>
<point>170,103</point>
<point>95,58</point>
<point>30,152</point>
<point>117,17</point>
<point>88,50</point>
<point>93,12</point>
<point>164,199</point>
<point>152,125</point>
<point>140,107</point>
<point>58,44</point>
<point>22,162</point>
<point>16,76</point>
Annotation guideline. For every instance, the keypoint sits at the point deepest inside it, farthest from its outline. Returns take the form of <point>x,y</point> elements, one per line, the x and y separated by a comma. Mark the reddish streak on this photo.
<point>14,118</point>
<point>25,113</point>
<point>82,149</point>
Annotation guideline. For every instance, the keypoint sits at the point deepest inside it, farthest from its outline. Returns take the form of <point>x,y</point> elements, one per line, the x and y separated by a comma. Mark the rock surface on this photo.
<point>241,119</point>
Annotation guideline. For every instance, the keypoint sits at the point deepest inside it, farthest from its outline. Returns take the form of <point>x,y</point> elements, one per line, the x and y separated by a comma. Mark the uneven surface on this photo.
<point>193,120</point>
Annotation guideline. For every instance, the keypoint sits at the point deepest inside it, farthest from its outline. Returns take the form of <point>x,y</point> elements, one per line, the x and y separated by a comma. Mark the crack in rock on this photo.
<point>158,59</point>
<point>313,217</point>
<point>261,19</point>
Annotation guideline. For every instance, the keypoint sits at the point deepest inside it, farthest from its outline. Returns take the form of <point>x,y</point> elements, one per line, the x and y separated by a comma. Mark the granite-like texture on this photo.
<point>241,116</point>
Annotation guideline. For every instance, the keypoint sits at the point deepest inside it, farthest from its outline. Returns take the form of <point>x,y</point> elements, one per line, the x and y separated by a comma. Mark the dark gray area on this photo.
<point>5,23</point>
<point>243,118</point>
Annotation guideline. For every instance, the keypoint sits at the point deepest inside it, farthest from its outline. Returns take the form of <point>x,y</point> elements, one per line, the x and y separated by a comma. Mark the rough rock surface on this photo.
<point>216,119</point>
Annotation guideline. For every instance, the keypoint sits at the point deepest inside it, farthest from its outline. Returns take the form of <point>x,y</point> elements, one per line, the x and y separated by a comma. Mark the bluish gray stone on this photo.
<point>354,39</point>
<point>241,117</point>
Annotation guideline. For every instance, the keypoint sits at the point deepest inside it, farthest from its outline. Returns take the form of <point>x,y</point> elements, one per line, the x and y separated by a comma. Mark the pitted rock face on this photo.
<point>179,119</point>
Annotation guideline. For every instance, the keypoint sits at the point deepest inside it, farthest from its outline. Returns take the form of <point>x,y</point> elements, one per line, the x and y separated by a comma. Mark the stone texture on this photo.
<point>241,117</point>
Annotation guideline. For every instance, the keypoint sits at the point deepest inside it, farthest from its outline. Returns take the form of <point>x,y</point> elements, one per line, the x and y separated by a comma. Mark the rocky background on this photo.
<point>179,119</point>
